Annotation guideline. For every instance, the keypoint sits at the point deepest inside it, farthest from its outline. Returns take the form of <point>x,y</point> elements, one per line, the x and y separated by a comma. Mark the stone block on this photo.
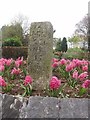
<point>40,53</point>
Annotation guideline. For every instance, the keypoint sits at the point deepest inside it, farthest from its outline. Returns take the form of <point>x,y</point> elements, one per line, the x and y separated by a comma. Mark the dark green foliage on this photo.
<point>58,45</point>
<point>64,45</point>
<point>14,52</point>
<point>12,42</point>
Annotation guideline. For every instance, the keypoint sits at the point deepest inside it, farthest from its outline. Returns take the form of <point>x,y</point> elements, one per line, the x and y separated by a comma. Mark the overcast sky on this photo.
<point>63,14</point>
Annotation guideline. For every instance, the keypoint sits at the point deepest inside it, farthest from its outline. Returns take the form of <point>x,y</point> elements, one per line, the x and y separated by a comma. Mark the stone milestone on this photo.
<point>40,53</point>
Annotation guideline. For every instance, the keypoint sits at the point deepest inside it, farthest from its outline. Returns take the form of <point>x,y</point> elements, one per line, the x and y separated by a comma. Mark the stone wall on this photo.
<point>44,107</point>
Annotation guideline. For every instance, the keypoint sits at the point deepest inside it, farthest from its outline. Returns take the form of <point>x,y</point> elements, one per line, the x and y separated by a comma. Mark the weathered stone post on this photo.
<point>0,44</point>
<point>40,51</point>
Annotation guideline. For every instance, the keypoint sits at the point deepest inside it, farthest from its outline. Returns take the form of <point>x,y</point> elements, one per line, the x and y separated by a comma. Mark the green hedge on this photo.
<point>12,42</point>
<point>14,52</point>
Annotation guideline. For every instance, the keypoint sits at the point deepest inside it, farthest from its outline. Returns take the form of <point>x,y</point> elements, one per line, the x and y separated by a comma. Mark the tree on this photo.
<point>17,29</point>
<point>74,40</point>
<point>82,27</point>
<point>64,45</point>
<point>58,45</point>
<point>23,21</point>
<point>12,31</point>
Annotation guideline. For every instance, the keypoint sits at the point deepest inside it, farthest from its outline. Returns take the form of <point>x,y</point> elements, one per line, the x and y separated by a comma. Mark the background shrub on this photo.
<point>12,42</point>
<point>64,45</point>
<point>57,55</point>
<point>14,52</point>
<point>75,53</point>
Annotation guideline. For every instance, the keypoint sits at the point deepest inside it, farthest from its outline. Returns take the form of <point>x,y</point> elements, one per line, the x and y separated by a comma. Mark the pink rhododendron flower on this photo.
<point>68,61</point>
<point>2,61</point>
<point>83,75</point>
<point>18,62</point>
<point>55,83</point>
<point>8,62</point>
<point>86,84</point>
<point>85,68</point>
<point>62,62</point>
<point>25,62</point>
<point>2,68</point>
<point>75,74</point>
<point>54,60</point>
<point>55,64</point>
<point>2,82</point>
<point>28,80</point>
<point>73,64</point>
<point>69,67</point>
<point>77,62</point>
<point>15,71</point>
<point>84,62</point>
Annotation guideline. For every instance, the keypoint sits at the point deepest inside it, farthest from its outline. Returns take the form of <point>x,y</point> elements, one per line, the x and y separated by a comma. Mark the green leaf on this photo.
<point>13,85</point>
<point>24,94</point>
<point>24,71</point>
<point>28,90</point>
<point>82,91</point>
<point>59,90</point>
<point>88,68</point>
<point>6,79</point>
<point>13,77</point>
<point>1,73</point>
<point>30,87</point>
<point>8,88</point>
<point>8,73</point>
<point>23,86</point>
<point>21,80</point>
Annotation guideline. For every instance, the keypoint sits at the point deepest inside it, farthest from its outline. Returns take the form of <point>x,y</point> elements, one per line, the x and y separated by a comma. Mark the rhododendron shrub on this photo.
<point>69,73</point>
<point>10,70</point>
<point>75,72</point>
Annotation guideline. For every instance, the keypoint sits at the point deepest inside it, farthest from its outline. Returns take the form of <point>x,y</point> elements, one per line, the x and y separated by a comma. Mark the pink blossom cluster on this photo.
<point>77,68</point>
<point>19,62</point>
<point>4,62</point>
<point>75,74</point>
<point>62,62</point>
<point>10,67</point>
<point>55,62</point>
<point>2,82</point>
<point>86,84</point>
<point>28,80</point>
<point>55,83</point>
<point>16,64</point>
<point>15,71</point>
<point>70,65</point>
